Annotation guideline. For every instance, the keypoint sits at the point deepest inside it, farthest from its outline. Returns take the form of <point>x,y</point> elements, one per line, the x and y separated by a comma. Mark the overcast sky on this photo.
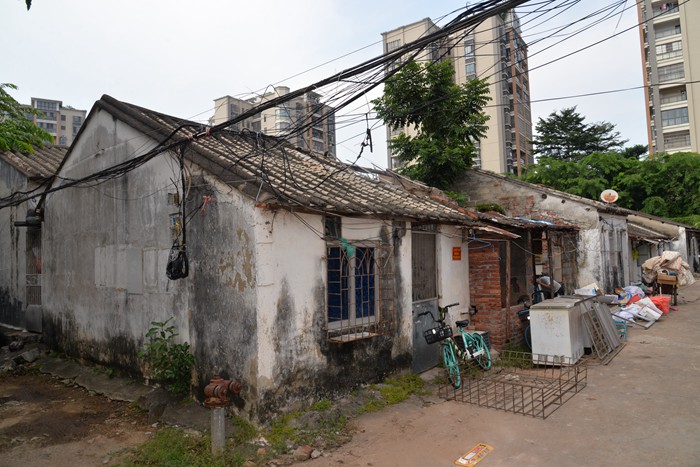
<point>176,56</point>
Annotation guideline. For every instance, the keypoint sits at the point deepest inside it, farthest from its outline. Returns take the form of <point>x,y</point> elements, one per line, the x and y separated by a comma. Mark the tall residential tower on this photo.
<point>670,40</point>
<point>304,121</point>
<point>62,122</point>
<point>493,50</point>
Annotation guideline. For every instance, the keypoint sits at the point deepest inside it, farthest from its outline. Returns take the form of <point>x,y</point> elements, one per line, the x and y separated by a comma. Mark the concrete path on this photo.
<point>641,409</point>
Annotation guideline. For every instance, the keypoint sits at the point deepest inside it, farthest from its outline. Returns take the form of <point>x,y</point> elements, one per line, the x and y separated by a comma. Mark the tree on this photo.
<point>564,135</point>
<point>17,132</point>
<point>448,119</point>
<point>667,185</point>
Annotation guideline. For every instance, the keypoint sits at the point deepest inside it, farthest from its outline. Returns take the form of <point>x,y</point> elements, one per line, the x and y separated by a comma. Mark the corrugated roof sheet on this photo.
<point>276,174</point>
<point>42,163</point>
<point>645,233</point>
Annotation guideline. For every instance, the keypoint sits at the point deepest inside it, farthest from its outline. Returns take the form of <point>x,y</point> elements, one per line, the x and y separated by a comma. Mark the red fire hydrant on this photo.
<point>217,397</point>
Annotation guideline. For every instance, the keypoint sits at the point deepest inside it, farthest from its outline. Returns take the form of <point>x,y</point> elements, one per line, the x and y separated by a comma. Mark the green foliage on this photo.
<point>171,363</point>
<point>448,120</point>
<point>396,390</point>
<point>17,132</point>
<point>665,185</point>
<point>371,406</point>
<point>564,136</point>
<point>244,430</point>
<point>486,207</point>
<point>281,432</point>
<point>459,197</point>
<point>175,447</point>
<point>693,220</point>
<point>322,405</point>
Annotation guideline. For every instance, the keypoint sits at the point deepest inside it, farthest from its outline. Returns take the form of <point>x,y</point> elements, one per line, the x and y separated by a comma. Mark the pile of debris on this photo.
<point>669,263</point>
<point>18,350</point>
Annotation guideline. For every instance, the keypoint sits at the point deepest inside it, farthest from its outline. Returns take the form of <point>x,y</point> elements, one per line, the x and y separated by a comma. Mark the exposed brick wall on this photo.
<point>485,287</point>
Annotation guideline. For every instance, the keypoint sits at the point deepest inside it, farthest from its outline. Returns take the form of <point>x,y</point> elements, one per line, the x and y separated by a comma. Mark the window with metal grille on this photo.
<point>360,295</point>
<point>33,276</point>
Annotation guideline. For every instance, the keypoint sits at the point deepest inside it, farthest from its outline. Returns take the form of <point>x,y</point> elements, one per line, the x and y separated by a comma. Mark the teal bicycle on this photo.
<point>466,346</point>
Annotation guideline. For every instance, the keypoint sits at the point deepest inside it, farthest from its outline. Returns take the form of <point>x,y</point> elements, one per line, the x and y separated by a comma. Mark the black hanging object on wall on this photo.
<point>178,264</point>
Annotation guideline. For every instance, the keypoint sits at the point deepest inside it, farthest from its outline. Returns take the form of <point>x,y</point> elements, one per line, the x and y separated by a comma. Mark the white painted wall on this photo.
<point>453,275</point>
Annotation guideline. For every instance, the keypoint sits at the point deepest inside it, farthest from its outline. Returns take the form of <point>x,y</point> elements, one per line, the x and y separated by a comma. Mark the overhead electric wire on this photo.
<point>350,92</point>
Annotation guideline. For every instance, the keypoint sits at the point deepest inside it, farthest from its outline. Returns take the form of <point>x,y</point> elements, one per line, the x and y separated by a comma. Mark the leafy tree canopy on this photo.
<point>17,133</point>
<point>666,185</point>
<point>448,120</point>
<point>564,135</point>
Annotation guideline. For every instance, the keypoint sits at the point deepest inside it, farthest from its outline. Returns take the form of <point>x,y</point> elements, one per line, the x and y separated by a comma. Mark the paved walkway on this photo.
<point>640,409</point>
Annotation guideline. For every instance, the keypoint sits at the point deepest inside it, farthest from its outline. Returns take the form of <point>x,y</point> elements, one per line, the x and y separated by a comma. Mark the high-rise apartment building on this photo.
<point>494,50</point>
<point>304,121</point>
<point>62,122</point>
<point>670,42</point>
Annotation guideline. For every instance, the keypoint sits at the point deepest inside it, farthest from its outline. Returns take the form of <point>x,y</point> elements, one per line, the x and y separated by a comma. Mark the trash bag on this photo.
<point>178,264</point>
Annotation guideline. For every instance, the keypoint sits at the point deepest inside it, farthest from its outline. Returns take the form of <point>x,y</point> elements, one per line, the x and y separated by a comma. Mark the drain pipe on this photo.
<point>217,397</point>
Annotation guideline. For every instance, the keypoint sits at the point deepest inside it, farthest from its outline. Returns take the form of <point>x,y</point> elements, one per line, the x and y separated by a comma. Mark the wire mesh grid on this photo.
<point>522,383</point>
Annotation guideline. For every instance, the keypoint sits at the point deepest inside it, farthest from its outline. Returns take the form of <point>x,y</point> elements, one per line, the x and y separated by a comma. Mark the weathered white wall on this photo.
<point>12,250</point>
<point>295,359</point>
<point>453,275</point>
<point>105,250</point>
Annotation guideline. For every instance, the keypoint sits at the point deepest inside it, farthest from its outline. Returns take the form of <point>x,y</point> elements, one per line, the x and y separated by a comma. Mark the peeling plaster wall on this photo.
<point>223,281</point>
<point>105,250</point>
<point>297,364</point>
<point>12,250</point>
<point>520,200</point>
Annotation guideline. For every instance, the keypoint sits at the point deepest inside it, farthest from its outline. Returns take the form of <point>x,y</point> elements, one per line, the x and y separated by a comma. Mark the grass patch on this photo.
<point>513,359</point>
<point>371,406</point>
<point>244,431</point>
<point>174,447</point>
<point>322,405</point>
<point>398,389</point>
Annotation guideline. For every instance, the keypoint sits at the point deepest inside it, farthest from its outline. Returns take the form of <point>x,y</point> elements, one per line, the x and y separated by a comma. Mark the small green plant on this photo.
<point>322,405</point>
<point>486,207</point>
<point>371,406</point>
<point>398,389</point>
<point>170,362</point>
<point>103,370</point>
<point>244,430</point>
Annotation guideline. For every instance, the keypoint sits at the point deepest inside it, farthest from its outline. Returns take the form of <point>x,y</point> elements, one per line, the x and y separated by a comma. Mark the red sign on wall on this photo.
<point>456,253</point>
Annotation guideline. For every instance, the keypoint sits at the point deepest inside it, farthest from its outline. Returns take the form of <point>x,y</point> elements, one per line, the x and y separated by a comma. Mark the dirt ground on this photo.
<point>640,409</point>
<point>45,422</point>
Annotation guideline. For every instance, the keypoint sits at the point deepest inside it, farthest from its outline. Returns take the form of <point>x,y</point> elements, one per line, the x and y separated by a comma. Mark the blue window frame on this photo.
<point>351,285</point>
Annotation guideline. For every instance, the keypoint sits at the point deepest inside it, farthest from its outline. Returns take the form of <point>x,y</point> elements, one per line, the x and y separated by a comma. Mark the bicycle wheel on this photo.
<point>528,337</point>
<point>483,359</point>
<point>451,365</point>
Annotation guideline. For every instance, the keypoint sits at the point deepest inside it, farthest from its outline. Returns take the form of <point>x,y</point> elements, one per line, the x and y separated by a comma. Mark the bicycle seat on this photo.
<point>463,323</point>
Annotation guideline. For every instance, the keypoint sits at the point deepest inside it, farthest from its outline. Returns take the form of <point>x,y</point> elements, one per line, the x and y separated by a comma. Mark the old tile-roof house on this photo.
<point>305,277</point>
<point>607,234</point>
<point>602,244</point>
<point>20,244</point>
<point>502,267</point>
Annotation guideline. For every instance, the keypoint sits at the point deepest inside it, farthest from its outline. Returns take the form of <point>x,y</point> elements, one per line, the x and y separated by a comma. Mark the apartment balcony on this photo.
<point>665,11</point>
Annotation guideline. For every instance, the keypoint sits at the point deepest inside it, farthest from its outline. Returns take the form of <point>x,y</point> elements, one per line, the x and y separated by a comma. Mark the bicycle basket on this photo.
<point>437,334</point>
